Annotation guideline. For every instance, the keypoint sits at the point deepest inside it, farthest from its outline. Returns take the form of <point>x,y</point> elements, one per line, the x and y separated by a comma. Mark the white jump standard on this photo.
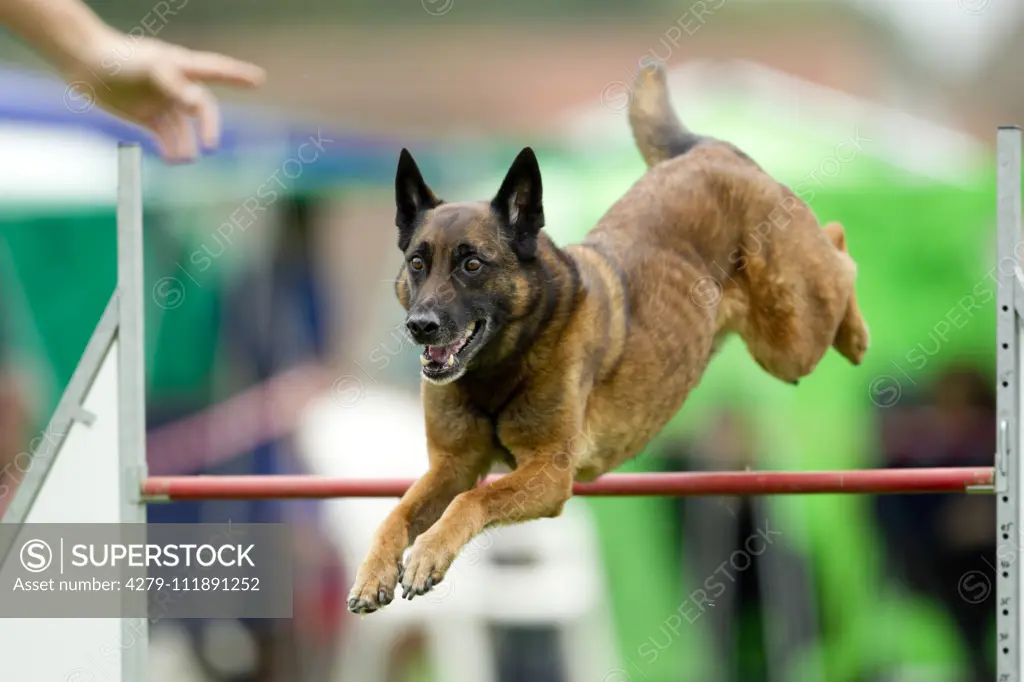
<point>89,468</point>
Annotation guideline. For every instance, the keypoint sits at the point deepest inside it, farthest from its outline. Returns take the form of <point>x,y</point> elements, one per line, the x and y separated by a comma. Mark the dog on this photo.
<point>563,363</point>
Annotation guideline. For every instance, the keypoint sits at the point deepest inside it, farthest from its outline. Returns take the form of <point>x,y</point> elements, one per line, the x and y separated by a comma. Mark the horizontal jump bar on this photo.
<point>864,481</point>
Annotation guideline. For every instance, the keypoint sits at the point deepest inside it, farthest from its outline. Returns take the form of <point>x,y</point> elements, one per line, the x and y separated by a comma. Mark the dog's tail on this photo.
<point>656,128</point>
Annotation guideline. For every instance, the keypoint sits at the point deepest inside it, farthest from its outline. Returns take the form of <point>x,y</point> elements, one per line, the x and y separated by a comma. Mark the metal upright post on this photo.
<point>1007,481</point>
<point>131,348</point>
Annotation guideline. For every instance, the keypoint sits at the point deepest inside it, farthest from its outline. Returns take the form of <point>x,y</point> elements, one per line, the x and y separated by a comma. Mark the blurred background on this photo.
<point>275,343</point>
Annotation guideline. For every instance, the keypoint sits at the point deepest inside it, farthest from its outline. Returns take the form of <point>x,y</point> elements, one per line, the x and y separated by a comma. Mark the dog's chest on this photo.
<point>492,397</point>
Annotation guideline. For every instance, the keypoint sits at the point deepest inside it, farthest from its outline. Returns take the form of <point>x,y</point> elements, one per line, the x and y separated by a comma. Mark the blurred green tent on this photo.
<point>918,204</point>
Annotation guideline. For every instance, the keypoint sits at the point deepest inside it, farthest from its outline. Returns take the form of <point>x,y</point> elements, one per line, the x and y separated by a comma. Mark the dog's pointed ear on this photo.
<point>519,204</point>
<point>412,197</point>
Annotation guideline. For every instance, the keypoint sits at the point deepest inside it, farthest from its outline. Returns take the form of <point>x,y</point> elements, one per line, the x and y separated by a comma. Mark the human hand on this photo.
<point>160,87</point>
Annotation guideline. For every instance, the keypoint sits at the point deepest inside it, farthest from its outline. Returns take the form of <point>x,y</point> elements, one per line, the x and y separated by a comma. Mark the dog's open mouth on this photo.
<point>440,361</point>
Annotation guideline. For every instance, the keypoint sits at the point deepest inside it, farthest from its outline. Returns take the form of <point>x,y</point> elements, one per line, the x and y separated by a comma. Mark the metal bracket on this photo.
<point>84,416</point>
<point>1018,293</point>
<point>1002,458</point>
<point>130,477</point>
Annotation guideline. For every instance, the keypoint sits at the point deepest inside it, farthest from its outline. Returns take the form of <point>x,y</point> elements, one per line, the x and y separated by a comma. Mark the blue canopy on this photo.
<point>41,99</point>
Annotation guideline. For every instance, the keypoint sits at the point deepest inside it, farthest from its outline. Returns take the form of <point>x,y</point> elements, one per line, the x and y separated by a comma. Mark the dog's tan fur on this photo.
<point>605,340</point>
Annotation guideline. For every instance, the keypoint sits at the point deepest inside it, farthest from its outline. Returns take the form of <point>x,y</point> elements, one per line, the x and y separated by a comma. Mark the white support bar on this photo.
<point>132,380</point>
<point>1009,346</point>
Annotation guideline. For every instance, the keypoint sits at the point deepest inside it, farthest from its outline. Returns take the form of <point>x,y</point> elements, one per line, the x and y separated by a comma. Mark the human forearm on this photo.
<point>157,85</point>
<point>66,32</point>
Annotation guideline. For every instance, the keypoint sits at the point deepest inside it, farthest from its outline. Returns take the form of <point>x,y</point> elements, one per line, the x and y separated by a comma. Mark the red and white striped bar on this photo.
<point>870,481</point>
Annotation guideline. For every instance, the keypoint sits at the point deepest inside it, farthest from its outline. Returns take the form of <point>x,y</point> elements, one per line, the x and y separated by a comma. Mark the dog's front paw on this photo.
<point>429,560</point>
<point>375,585</point>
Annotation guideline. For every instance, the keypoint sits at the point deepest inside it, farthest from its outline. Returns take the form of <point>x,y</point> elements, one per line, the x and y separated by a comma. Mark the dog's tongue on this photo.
<point>439,354</point>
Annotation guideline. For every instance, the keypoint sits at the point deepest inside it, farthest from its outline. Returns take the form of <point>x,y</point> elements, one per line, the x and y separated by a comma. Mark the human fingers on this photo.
<point>212,67</point>
<point>193,99</point>
<point>175,136</point>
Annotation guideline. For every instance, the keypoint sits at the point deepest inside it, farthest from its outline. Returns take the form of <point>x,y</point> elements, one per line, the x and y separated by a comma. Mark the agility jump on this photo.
<point>94,467</point>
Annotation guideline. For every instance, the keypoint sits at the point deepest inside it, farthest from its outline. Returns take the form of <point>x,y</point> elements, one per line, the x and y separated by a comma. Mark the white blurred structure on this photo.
<point>954,37</point>
<point>551,571</point>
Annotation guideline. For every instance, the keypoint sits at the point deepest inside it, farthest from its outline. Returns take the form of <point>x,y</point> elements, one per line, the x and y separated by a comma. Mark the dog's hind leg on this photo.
<point>782,349</point>
<point>787,329</point>
<point>852,336</point>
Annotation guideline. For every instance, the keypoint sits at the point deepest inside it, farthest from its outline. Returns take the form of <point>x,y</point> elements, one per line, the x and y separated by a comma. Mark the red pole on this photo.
<point>864,481</point>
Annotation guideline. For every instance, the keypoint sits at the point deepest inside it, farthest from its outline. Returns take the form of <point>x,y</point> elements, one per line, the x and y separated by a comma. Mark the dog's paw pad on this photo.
<point>368,603</point>
<point>361,606</point>
<point>423,571</point>
<point>375,593</point>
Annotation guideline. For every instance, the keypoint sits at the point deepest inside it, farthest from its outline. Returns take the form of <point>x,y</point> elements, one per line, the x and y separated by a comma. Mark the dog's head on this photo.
<point>467,264</point>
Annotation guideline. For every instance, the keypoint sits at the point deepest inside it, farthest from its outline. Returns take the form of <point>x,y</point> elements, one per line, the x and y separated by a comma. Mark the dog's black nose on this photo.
<point>423,325</point>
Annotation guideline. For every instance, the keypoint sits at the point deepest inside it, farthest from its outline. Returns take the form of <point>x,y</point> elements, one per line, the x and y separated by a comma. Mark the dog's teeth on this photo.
<point>424,360</point>
<point>450,361</point>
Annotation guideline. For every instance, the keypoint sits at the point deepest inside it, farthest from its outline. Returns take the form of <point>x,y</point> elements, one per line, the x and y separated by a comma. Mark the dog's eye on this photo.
<point>416,263</point>
<point>472,265</point>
